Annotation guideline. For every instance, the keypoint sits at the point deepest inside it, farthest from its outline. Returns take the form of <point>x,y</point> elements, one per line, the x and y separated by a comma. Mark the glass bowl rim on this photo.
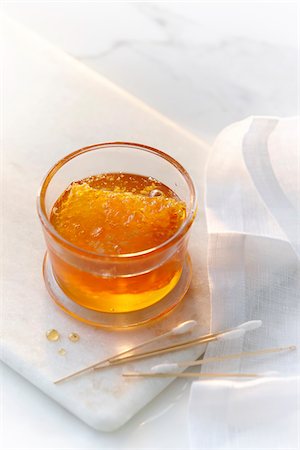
<point>186,224</point>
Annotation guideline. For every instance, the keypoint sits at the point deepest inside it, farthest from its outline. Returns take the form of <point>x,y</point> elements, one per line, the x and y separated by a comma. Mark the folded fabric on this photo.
<point>252,208</point>
<point>257,414</point>
<point>252,179</point>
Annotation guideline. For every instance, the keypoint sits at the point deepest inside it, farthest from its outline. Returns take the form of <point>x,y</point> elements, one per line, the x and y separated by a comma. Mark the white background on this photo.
<point>202,64</point>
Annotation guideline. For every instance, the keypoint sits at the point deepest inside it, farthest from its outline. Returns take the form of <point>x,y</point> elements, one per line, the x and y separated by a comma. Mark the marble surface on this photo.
<point>203,64</point>
<point>59,106</point>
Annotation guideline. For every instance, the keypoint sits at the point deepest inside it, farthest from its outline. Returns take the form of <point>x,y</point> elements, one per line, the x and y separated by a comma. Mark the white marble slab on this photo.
<point>52,106</point>
<point>203,64</point>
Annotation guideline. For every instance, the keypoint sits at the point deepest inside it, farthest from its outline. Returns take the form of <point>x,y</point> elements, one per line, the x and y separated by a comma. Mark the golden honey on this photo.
<point>62,351</point>
<point>74,337</point>
<point>112,215</point>
<point>52,335</point>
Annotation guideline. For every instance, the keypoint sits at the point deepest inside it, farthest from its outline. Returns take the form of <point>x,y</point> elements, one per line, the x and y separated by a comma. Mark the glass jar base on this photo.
<point>117,320</point>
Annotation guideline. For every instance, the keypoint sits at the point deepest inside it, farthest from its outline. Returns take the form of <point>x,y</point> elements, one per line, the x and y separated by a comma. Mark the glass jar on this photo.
<point>125,289</point>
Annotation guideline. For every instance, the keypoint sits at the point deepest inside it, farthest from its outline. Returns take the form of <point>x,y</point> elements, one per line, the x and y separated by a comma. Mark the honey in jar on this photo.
<point>115,215</point>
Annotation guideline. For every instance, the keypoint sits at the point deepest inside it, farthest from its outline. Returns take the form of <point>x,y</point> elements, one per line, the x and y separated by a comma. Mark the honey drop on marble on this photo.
<point>74,337</point>
<point>52,335</point>
<point>62,351</point>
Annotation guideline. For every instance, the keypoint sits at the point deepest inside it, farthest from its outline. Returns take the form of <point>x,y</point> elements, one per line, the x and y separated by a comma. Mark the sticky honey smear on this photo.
<point>111,221</point>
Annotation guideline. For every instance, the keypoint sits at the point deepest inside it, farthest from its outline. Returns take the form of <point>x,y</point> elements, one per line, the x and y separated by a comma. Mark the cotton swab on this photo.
<point>250,325</point>
<point>232,334</point>
<point>188,375</point>
<point>181,329</point>
<point>168,370</point>
<point>171,366</point>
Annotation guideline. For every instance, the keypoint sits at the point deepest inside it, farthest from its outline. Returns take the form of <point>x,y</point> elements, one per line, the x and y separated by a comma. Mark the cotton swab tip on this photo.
<point>164,368</point>
<point>250,325</point>
<point>233,334</point>
<point>184,327</point>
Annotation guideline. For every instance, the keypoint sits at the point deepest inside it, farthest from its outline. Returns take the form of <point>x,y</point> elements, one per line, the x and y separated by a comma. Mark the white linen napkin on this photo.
<point>243,415</point>
<point>252,206</point>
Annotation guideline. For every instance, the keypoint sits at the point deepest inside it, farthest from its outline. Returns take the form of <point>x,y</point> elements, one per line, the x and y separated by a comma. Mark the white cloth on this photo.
<point>245,415</point>
<point>252,205</point>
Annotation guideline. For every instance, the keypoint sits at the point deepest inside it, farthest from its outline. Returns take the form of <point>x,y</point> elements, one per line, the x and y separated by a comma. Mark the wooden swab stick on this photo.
<point>188,375</point>
<point>223,358</point>
<point>227,335</point>
<point>240,329</point>
<point>231,333</point>
<point>182,328</point>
